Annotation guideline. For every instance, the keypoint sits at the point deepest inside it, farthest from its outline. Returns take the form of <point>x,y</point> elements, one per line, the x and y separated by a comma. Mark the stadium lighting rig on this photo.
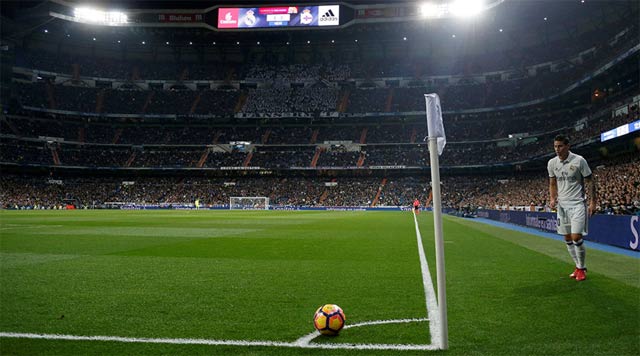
<point>455,8</point>
<point>92,16</point>
<point>99,17</point>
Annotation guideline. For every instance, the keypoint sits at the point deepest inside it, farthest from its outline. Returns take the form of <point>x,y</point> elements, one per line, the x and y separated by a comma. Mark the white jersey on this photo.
<point>569,175</point>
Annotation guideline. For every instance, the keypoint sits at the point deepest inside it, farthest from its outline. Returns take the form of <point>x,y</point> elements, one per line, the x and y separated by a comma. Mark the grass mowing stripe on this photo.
<point>11,260</point>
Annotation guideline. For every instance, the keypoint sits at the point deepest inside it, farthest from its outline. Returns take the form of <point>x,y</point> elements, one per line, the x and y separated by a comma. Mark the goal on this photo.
<point>249,203</point>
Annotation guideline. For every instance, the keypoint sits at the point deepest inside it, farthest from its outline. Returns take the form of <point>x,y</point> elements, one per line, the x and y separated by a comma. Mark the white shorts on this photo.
<point>573,220</point>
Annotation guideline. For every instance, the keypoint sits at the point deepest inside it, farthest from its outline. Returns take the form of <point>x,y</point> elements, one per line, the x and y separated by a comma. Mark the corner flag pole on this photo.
<point>437,141</point>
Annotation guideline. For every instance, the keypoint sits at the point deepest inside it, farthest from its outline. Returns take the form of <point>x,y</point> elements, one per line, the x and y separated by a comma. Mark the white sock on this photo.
<point>580,253</point>
<point>572,252</point>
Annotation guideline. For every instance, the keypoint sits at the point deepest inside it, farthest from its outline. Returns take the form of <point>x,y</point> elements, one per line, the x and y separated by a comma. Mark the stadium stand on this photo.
<point>294,123</point>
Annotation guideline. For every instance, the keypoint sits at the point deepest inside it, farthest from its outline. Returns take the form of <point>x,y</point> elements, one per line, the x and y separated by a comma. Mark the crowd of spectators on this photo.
<point>114,68</point>
<point>617,184</point>
<point>297,72</point>
<point>83,142</point>
<point>284,97</point>
<point>279,99</point>
<point>617,189</point>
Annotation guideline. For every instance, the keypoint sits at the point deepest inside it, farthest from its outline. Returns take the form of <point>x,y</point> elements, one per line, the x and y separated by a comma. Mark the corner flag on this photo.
<point>437,141</point>
<point>435,127</point>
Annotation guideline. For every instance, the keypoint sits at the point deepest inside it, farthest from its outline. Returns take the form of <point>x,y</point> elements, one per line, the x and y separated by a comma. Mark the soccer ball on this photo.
<point>329,319</point>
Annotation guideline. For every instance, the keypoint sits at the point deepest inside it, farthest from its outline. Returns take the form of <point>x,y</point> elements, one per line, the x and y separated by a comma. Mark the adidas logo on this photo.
<point>328,14</point>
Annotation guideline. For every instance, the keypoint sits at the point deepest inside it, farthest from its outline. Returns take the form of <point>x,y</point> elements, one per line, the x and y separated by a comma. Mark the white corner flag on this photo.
<point>435,127</point>
<point>437,141</point>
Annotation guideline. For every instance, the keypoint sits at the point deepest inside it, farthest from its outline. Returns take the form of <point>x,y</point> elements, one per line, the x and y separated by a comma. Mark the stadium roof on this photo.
<point>513,23</point>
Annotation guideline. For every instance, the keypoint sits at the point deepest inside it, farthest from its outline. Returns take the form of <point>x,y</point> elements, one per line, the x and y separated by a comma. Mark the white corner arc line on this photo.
<point>306,340</point>
<point>429,292</point>
<point>380,322</point>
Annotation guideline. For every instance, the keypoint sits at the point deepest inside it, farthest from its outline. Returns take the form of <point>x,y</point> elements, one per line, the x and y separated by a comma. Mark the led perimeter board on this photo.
<point>278,16</point>
<point>620,131</point>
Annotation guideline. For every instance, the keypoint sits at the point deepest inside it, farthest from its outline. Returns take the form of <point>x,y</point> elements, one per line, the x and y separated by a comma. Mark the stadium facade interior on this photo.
<point>168,108</point>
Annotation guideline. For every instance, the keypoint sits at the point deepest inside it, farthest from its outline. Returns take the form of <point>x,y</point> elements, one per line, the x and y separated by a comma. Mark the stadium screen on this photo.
<point>278,16</point>
<point>620,131</point>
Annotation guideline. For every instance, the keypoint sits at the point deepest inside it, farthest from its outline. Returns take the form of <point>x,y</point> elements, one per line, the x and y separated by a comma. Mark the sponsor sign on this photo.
<point>620,131</point>
<point>279,16</point>
<point>180,18</point>
<point>329,15</point>
<point>228,18</point>
<point>616,230</point>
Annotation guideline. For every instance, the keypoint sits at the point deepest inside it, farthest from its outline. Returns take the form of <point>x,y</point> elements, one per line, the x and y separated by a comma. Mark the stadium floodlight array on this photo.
<point>94,16</point>
<point>248,203</point>
<point>456,8</point>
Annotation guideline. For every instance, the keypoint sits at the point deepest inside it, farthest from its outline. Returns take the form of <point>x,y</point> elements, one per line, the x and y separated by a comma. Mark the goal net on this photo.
<point>249,203</point>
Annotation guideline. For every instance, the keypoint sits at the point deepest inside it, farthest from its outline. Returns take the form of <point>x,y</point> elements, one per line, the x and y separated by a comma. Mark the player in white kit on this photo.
<point>569,179</point>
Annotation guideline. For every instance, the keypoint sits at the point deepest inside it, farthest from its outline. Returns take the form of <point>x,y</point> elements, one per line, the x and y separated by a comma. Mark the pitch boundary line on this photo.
<point>429,292</point>
<point>303,342</point>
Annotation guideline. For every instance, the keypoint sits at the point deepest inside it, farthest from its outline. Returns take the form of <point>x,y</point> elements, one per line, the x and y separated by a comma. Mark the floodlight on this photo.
<point>432,10</point>
<point>91,15</point>
<point>466,8</point>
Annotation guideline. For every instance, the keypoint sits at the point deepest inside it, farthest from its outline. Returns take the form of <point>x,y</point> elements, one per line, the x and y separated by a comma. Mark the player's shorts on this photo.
<point>573,220</point>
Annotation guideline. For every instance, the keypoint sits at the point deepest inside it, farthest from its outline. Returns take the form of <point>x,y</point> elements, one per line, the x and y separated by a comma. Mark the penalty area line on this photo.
<point>216,342</point>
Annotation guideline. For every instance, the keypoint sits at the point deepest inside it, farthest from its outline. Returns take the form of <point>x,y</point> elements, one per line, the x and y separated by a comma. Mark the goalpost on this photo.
<point>248,203</point>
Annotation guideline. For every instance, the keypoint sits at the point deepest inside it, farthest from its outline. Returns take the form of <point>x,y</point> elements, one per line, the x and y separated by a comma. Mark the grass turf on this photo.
<point>255,275</point>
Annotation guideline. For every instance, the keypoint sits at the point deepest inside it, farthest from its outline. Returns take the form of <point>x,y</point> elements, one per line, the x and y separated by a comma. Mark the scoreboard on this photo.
<point>243,17</point>
<point>264,17</point>
<point>278,16</point>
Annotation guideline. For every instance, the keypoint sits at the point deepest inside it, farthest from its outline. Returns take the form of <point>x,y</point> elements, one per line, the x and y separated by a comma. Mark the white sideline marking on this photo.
<point>296,344</point>
<point>429,292</point>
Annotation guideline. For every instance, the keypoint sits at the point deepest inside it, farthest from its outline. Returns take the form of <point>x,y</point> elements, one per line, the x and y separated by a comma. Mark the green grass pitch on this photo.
<point>260,275</point>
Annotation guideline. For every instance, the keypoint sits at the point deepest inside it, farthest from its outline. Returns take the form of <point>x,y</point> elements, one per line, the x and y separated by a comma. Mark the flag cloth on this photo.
<point>435,126</point>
